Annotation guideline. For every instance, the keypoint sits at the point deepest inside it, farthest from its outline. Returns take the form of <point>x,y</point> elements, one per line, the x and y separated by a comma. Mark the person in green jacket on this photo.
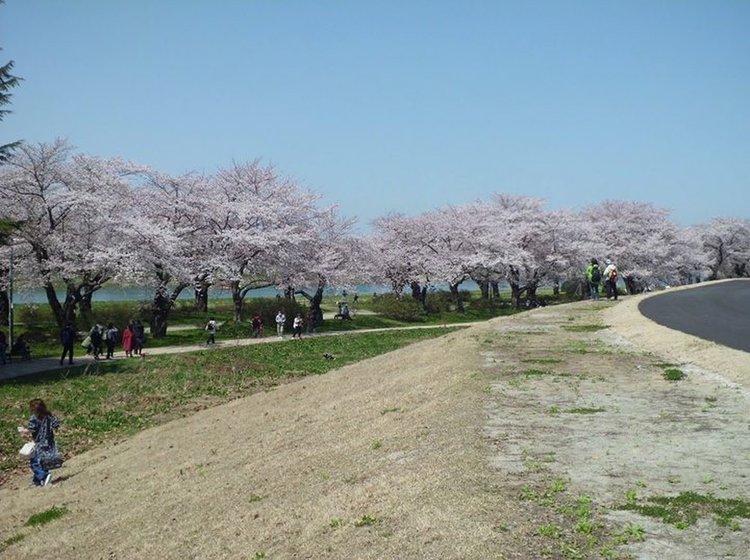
<point>594,277</point>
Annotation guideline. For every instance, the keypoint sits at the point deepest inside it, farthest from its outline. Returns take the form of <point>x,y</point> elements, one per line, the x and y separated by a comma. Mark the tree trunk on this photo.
<point>457,300</point>
<point>86,309</point>
<point>515,294</point>
<point>416,291</point>
<point>4,307</point>
<point>495,289</point>
<point>556,287</point>
<point>57,309</point>
<point>162,304</point>
<point>531,293</point>
<point>201,297</point>
<point>484,287</point>
<point>630,284</point>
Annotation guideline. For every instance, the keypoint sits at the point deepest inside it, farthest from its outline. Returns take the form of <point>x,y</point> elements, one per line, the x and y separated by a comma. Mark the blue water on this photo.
<point>141,293</point>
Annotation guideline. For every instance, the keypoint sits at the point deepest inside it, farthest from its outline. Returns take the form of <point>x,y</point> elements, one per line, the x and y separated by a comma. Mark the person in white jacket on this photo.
<point>280,321</point>
<point>610,280</point>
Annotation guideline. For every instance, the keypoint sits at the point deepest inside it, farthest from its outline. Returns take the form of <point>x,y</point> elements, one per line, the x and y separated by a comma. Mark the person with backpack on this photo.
<point>594,278</point>
<point>211,330</point>
<point>110,337</point>
<point>610,280</point>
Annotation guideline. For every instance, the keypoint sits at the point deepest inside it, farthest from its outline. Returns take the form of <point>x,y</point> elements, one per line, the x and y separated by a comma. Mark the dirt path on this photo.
<point>513,439</point>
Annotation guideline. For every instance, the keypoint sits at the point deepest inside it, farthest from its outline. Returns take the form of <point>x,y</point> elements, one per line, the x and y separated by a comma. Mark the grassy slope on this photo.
<point>110,400</point>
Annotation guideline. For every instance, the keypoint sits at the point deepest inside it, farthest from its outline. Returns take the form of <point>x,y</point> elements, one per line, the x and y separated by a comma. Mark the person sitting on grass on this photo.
<point>21,348</point>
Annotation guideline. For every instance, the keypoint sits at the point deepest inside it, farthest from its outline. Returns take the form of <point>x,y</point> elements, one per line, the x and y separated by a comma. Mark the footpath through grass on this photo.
<point>107,400</point>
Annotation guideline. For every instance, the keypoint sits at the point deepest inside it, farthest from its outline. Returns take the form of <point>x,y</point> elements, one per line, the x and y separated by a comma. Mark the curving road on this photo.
<point>717,312</point>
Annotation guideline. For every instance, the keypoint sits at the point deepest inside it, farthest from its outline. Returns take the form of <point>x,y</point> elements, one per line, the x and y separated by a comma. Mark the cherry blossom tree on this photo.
<point>639,237</point>
<point>726,247</point>
<point>255,220</point>
<point>69,207</point>
<point>166,240</point>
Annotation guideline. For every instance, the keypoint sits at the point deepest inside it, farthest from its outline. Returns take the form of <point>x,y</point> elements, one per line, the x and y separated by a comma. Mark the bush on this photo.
<point>267,309</point>
<point>399,308</point>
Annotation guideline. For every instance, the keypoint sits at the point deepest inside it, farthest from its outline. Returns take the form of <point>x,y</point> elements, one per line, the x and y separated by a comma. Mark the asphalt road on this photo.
<point>716,312</point>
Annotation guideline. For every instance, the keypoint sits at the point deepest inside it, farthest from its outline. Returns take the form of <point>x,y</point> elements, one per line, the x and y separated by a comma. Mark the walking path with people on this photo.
<point>40,365</point>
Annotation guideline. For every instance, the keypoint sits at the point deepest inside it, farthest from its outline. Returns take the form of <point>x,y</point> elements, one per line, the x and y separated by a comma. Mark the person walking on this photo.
<point>139,338</point>
<point>67,339</point>
<point>128,339</point>
<point>211,331</point>
<point>97,336</point>
<point>594,277</point>
<point>297,326</point>
<point>610,280</point>
<point>110,337</point>
<point>257,325</point>
<point>280,320</point>
<point>40,428</point>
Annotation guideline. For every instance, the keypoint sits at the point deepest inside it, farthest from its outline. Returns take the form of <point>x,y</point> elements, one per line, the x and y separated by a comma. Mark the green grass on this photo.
<point>686,508</point>
<point>542,361</point>
<point>55,512</point>
<point>584,410</point>
<point>105,400</point>
<point>674,374</point>
<point>584,328</point>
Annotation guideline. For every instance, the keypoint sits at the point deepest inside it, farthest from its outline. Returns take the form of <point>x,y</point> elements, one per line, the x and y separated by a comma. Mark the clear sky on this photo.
<point>403,105</point>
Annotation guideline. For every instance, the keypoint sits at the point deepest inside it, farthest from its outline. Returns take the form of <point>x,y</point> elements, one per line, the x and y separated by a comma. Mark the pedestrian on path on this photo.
<point>211,331</point>
<point>128,340</point>
<point>67,339</point>
<point>297,326</point>
<point>594,277</point>
<point>40,428</point>
<point>97,337</point>
<point>110,337</point>
<point>280,321</point>
<point>139,340</point>
<point>610,280</point>
<point>257,324</point>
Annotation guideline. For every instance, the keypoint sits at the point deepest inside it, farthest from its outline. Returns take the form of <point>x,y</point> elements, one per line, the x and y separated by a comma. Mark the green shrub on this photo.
<point>402,308</point>
<point>267,309</point>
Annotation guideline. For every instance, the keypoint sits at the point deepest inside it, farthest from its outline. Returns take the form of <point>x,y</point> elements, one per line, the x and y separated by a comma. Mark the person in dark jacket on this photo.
<point>67,338</point>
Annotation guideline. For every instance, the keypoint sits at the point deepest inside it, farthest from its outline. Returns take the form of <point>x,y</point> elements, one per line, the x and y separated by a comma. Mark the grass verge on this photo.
<point>103,401</point>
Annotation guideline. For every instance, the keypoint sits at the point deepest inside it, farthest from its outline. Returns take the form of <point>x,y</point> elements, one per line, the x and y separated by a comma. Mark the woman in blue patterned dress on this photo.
<point>41,428</point>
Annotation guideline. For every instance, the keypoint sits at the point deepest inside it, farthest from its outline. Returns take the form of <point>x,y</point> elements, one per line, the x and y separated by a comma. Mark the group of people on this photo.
<point>595,277</point>
<point>19,348</point>
<point>101,338</point>
<point>297,325</point>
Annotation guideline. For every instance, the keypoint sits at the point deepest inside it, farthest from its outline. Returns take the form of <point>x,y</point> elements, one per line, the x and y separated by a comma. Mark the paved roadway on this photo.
<point>717,312</point>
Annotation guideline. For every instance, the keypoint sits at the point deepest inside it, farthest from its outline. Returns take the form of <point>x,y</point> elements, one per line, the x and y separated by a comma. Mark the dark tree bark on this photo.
<point>238,296</point>
<point>201,297</point>
<point>161,306</point>
<point>4,307</point>
<point>416,291</point>
<point>456,294</point>
<point>484,287</point>
<point>315,300</point>
<point>495,290</point>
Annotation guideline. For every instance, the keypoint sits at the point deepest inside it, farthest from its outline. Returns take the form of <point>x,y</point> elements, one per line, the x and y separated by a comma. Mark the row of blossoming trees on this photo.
<point>86,221</point>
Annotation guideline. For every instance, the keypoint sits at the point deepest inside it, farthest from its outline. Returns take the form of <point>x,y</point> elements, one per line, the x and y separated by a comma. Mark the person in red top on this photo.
<point>128,340</point>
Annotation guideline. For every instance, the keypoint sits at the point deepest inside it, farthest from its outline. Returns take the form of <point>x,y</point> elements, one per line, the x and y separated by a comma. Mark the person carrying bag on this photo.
<point>45,455</point>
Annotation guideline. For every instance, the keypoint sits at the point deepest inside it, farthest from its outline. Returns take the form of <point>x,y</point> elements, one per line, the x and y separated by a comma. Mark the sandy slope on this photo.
<point>429,443</point>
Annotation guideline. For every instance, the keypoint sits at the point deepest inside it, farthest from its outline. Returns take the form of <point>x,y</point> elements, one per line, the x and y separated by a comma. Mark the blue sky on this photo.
<point>403,105</point>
